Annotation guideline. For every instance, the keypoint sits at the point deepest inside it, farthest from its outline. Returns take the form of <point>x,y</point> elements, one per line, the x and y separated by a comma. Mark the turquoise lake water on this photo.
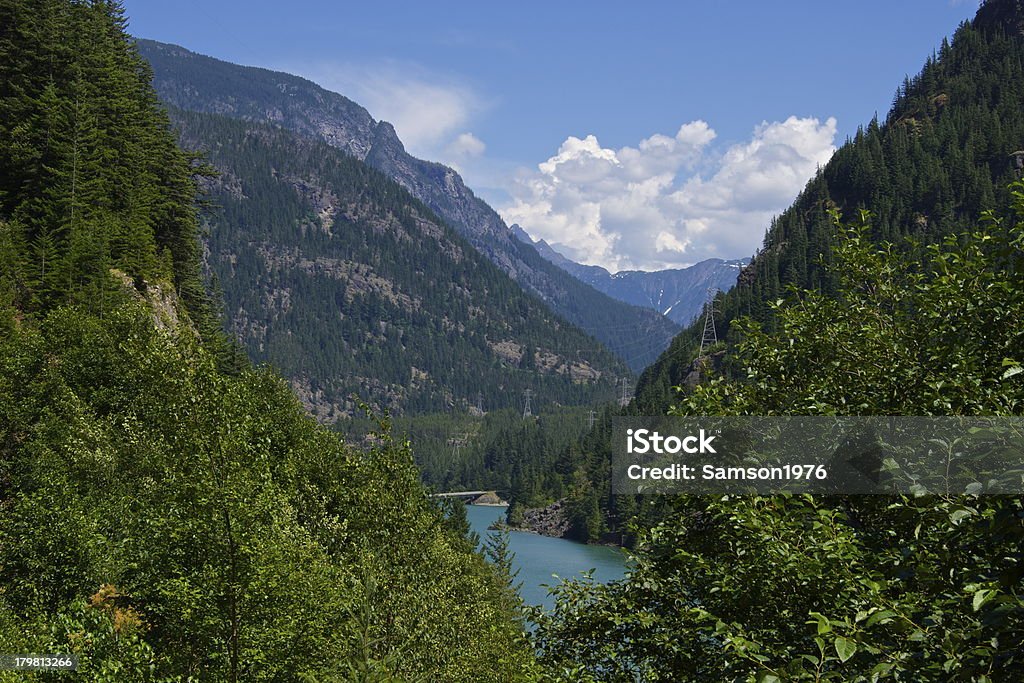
<point>539,557</point>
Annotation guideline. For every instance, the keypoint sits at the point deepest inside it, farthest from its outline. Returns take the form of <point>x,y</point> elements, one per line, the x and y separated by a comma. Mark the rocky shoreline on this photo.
<point>546,521</point>
<point>551,521</point>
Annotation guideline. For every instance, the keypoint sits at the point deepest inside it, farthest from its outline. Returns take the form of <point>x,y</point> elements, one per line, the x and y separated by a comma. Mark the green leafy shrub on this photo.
<point>837,588</point>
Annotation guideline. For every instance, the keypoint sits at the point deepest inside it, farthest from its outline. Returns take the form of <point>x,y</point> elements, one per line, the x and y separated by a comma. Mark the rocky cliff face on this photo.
<point>197,83</point>
<point>437,186</point>
<point>546,521</point>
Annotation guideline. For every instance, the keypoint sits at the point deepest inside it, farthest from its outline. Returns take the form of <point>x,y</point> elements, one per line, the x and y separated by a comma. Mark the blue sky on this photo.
<point>646,135</point>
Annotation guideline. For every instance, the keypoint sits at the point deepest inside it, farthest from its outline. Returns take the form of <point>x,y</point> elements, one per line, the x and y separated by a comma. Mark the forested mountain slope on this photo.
<point>194,82</point>
<point>167,513</point>
<point>340,278</point>
<point>944,153</point>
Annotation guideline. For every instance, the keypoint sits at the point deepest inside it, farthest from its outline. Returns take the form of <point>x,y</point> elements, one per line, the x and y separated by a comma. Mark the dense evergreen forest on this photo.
<point>501,451</point>
<point>166,512</point>
<point>90,180</point>
<point>348,285</point>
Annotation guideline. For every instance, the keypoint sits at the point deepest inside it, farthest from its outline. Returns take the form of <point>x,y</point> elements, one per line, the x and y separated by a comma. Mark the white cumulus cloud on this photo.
<point>649,207</point>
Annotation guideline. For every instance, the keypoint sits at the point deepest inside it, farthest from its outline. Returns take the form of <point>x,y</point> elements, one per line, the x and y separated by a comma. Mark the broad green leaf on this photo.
<point>823,623</point>
<point>981,597</point>
<point>880,617</point>
<point>958,515</point>
<point>845,648</point>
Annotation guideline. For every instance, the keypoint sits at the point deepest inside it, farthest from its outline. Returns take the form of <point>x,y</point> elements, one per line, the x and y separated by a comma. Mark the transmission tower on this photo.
<point>526,403</point>
<point>479,403</point>
<point>624,401</point>
<point>710,336</point>
<point>590,421</point>
<point>457,442</point>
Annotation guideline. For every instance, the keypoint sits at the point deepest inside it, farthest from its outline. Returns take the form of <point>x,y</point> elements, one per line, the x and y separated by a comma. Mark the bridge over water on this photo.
<point>490,497</point>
